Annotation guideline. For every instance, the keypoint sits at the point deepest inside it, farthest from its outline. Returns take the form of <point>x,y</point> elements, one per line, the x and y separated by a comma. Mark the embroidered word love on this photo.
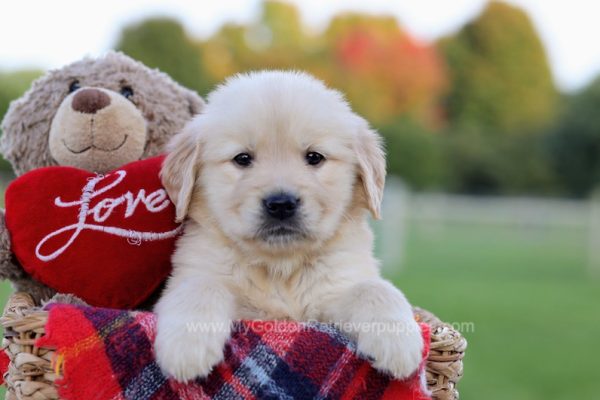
<point>154,202</point>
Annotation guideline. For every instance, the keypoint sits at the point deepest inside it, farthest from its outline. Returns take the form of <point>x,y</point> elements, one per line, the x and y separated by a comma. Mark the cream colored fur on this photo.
<point>223,271</point>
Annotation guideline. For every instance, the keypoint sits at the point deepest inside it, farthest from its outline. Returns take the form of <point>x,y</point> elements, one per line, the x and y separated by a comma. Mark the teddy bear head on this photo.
<point>95,114</point>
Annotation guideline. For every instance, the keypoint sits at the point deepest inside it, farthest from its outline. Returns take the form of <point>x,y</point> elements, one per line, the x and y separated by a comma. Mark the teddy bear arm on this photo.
<point>8,269</point>
<point>11,270</point>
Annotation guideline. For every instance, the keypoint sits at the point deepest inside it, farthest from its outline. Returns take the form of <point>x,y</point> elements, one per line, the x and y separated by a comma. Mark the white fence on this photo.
<point>401,207</point>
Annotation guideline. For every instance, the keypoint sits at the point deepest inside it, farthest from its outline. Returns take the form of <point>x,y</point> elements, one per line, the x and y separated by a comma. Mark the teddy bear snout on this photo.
<point>90,101</point>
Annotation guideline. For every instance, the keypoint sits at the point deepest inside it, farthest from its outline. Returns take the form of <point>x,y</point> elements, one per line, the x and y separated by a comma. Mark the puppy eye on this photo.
<point>127,92</point>
<point>314,158</point>
<point>243,159</point>
<point>74,86</point>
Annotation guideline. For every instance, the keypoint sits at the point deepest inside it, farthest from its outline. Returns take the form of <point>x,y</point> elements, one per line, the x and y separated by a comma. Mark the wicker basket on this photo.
<point>31,374</point>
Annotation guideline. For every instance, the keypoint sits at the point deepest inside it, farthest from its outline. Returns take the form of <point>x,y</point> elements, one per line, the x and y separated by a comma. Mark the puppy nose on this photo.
<point>281,205</point>
<point>90,101</point>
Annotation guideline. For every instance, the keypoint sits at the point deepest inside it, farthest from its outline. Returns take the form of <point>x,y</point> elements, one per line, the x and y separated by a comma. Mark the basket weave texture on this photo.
<point>31,374</point>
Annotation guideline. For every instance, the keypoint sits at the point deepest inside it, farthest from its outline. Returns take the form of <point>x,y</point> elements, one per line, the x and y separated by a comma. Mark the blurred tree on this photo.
<point>275,41</point>
<point>477,163</point>
<point>574,146</point>
<point>163,43</point>
<point>283,25</point>
<point>226,52</point>
<point>384,71</point>
<point>500,77</point>
<point>414,153</point>
<point>12,86</point>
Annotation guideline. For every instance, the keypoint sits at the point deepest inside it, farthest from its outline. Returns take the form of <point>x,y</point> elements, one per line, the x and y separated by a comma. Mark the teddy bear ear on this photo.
<point>195,103</point>
<point>24,142</point>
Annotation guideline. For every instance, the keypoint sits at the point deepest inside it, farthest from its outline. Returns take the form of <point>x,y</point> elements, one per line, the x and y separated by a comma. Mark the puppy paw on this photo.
<point>186,355</point>
<point>396,348</point>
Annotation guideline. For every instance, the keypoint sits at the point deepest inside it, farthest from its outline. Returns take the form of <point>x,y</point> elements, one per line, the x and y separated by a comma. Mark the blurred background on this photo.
<point>491,116</point>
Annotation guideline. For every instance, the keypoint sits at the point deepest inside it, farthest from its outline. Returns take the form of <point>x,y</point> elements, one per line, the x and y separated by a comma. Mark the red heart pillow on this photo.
<point>106,238</point>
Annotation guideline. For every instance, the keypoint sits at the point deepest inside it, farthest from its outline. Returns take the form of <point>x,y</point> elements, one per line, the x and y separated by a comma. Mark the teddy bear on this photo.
<point>95,114</point>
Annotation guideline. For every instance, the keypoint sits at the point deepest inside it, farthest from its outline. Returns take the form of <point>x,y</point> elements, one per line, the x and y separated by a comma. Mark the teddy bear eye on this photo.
<point>74,86</point>
<point>127,92</point>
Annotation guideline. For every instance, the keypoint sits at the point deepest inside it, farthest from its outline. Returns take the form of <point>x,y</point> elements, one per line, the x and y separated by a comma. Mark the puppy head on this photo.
<point>277,160</point>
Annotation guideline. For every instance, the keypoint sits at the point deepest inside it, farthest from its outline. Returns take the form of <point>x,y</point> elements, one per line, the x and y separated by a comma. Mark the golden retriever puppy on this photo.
<point>275,179</point>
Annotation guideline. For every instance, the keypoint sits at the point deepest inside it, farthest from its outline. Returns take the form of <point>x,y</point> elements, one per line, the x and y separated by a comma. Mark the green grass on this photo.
<point>534,310</point>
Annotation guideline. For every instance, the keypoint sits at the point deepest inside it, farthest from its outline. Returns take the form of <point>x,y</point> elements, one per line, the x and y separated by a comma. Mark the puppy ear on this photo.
<point>180,169</point>
<point>369,151</point>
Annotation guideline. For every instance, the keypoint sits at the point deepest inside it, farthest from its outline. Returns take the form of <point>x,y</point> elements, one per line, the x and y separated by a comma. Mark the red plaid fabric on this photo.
<point>108,354</point>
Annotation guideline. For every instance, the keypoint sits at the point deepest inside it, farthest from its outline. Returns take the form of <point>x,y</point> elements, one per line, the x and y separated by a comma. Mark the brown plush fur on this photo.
<point>164,105</point>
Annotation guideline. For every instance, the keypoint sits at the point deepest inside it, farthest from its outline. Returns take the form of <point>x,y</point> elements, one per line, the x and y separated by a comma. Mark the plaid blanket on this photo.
<point>107,354</point>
